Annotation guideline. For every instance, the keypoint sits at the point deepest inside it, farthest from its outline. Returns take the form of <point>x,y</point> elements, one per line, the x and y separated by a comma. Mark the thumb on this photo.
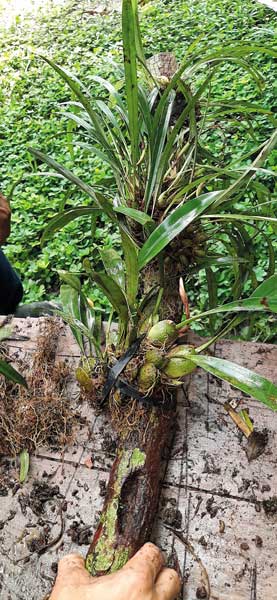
<point>71,572</point>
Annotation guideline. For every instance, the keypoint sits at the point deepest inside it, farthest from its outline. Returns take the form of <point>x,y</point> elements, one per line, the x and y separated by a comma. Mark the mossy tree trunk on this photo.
<point>133,492</point>
<point>134,484</point>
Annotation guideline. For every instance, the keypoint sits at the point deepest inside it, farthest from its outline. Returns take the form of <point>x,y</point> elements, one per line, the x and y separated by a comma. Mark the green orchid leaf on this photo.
<point>63,218</point>
<point>76,87</point>
<point>131,263</point>
<point>107,155</point>
<point>211,260</point>
<point>264,298</point>
<point>99,200</point>
<point>24,459</point>
<point>70,279</point>
<point>10,373</point>
<point>268,291</point>
<point>241,378</point>
<point>137,215</point>
<point>70,300</point>
<point>139,46</point>
<point>242,217</point>
<point>249,171</point>
<point>113,292</point>
<point>173,225</point>
<point>64,172</point>
<point>160,133</point>
<point>113,264</point>
<point>129,25</point>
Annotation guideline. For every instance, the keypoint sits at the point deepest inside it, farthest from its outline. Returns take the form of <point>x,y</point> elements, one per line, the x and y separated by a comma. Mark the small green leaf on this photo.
<point>172,226</point>
<point>70,300</point>
<point>114,266</point>
<point>245,416</point>
<point>24,459</point>
<point>113,292</point>
<point>10,373</point>
<point>245,380</point>
<point>137,215</point>
<point>70,279</point>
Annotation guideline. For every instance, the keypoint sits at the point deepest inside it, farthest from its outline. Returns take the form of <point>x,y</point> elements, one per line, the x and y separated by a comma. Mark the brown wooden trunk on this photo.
<point>135,480</point>
<point>133,492</point>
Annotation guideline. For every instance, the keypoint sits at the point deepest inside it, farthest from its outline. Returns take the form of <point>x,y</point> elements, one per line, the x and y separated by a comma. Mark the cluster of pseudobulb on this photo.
<point>164,360</point>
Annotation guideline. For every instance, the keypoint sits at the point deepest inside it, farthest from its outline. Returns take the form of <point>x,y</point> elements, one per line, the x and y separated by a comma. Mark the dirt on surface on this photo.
<point>270,506</point>
<point>41,493</point>
<point>80,534</point>
<point>256,444</point>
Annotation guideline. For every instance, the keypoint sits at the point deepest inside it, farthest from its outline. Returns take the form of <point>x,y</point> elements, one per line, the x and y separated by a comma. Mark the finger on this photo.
<point>71,570</point>
<point>148,561</point>
<point>168,585</point>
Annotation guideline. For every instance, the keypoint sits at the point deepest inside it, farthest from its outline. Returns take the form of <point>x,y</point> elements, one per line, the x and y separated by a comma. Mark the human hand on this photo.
<point>144,577</point>
<point>5,219</point>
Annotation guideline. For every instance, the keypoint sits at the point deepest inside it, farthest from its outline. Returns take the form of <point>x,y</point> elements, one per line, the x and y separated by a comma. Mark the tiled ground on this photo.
<point>214,495</point>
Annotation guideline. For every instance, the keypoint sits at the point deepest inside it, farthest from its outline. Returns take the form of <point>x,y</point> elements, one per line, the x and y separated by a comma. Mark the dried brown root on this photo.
<point>41,415</point>
<point>126,416</point>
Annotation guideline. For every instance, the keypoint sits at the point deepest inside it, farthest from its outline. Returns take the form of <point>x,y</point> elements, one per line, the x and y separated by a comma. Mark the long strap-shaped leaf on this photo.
<point>131,264</point>
<point>107,153</point>
<point>240,217</point>
<point>139,46</point>
<point>63,218</point>
<point>130,67</point>
<point>114,265</point>
<point>264,298</point>
<point>100,201</point>
<point>76,87</point>
<point>178,220</point>
<point>157,145</point>
<point>113,292</point>
<point>70,299</point>
<point>249,172</point>
<point>167,150</point>
<point>241,378</point>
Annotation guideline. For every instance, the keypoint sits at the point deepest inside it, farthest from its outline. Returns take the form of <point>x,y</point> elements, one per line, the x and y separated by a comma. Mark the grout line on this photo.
<point>225,495</point>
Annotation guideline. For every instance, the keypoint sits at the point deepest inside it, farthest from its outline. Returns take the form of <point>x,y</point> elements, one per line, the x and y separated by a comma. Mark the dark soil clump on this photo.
<point>173,518</point>
<point>41,493</point>
<point>80,534</point>
<point>256,444</point>
<point>201,593</point>
<point>211,508</point>
<point>270,506</point>
<point>36,543</point>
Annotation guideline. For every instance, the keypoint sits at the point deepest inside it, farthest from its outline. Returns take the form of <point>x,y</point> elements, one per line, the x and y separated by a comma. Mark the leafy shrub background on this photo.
<point>31,102</point>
